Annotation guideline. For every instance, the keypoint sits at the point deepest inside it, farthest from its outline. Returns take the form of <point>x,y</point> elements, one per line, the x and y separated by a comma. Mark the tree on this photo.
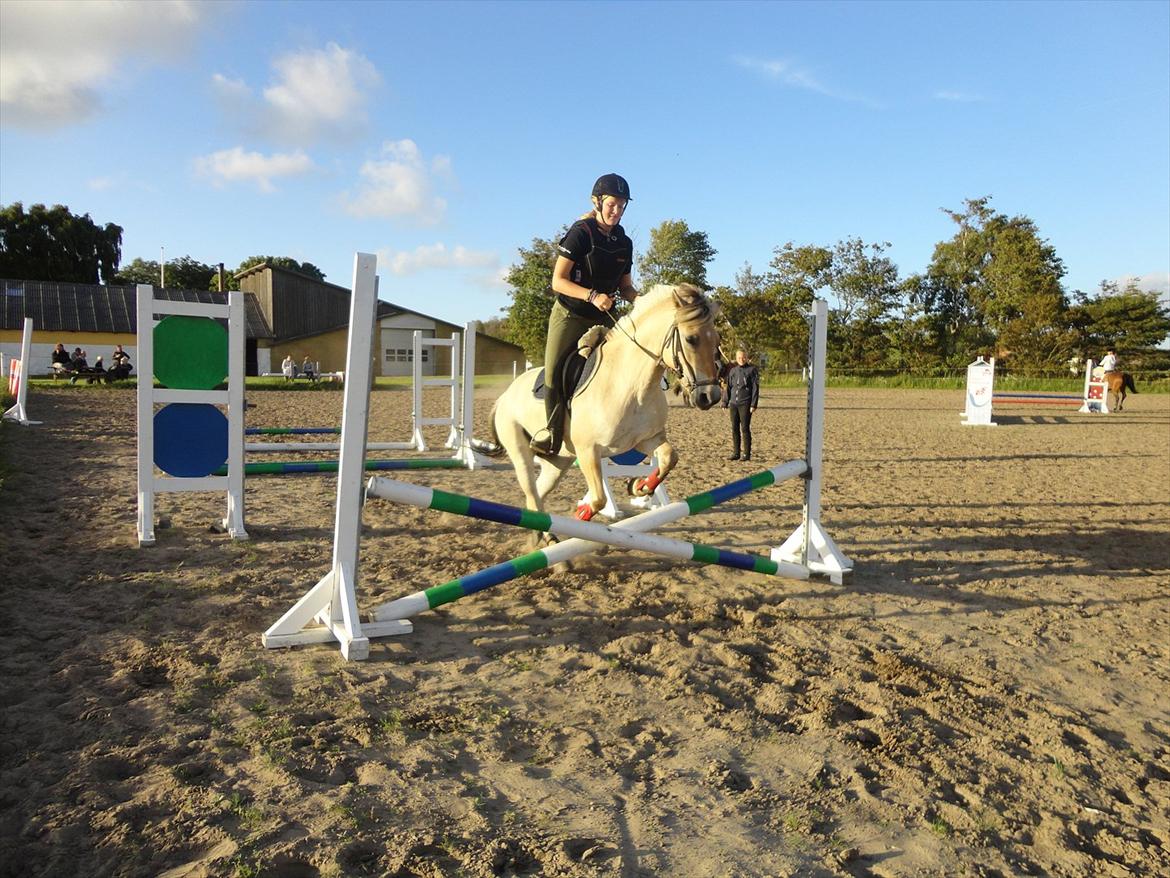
<point>767,310</point>
<point>232,283</point>
<point>183,273</point>
<point>676,255</point>
<point>530,280</point>
<point>138,271</point>
<point>496,327</point>
<point>865,284</point>
<point>56,245</point>
<point>1130,320</point>
<point>998,276</point>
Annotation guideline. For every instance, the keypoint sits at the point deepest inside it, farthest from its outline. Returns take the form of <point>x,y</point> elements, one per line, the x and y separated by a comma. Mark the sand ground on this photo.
<point>985,695</point>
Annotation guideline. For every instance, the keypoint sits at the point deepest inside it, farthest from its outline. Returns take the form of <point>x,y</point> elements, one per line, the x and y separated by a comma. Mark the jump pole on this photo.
<point>293,467</point>
<point>628,534</point>
<point>18,372</point>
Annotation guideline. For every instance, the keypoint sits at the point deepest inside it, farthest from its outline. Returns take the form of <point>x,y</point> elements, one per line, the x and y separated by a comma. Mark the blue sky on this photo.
<point>445,136</point>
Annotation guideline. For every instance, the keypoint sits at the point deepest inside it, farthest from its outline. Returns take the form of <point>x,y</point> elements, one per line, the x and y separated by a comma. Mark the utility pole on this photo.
<point>162,267</point>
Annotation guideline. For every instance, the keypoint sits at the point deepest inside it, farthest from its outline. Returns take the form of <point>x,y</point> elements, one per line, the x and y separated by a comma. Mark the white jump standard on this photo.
<point>461,385</point>
<point>18,372</point>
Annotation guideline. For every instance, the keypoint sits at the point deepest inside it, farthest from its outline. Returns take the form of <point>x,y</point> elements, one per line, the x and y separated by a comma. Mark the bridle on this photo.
<point>679,364</point>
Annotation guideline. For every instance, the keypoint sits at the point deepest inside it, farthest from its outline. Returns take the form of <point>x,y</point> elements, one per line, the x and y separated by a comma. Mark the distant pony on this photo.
<point>1118,383</point>
<point>622,406</point>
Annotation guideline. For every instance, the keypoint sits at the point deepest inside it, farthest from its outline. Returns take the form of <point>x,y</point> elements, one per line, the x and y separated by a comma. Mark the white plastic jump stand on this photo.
<point>1096,393</point>
<point>462,431</point>
<point>18,372</point>
<point>810,545</point>
<point>980,393</point>
<point>332,602</point>
<point>612,470</point>
<point>149,483</point>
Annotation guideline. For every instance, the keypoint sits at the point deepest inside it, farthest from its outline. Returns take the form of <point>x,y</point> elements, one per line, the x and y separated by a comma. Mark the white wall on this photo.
<point>42,355</point>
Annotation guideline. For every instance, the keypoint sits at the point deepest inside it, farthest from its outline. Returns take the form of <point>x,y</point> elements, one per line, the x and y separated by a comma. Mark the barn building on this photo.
<point>287,313</point>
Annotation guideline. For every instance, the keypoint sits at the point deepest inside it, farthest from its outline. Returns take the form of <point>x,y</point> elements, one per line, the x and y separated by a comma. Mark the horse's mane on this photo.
<point>692,304</point>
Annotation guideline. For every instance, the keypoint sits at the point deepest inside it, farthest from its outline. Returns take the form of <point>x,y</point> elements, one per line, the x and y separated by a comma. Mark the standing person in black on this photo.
<point>593,266</point>
<point>743,395</point>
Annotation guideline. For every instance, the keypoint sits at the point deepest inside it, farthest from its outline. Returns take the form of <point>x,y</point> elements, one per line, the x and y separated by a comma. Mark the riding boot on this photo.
<point>548,440</point>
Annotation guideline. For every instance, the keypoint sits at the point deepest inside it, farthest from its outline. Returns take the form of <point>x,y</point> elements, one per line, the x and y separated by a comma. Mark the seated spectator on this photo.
<point>119,364</point>
<point>288,368</point>
<point>61,356</point>
<point>78,362</point>
<point>309,369</point>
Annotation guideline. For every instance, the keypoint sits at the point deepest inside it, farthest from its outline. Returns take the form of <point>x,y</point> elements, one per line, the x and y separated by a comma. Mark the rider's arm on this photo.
<point>626,287</point>
<point>563,285</point>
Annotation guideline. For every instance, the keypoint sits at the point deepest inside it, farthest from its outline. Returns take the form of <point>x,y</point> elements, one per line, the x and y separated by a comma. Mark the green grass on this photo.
<point>1153,382</point>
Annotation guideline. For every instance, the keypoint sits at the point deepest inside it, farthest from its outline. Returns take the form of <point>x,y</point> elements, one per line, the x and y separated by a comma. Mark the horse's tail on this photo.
<point>1128,379</point>
<point>491,448</point>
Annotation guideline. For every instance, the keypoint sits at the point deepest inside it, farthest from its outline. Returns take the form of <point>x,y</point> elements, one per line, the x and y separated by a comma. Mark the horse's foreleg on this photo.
<point>590,465</point>
<point>667,458</point>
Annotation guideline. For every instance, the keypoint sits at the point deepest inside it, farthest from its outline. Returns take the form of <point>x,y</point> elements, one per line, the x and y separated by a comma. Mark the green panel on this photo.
<point>190,353</point>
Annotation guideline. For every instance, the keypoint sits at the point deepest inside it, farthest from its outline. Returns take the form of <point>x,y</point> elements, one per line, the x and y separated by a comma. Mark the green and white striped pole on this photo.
<point>586,536</point>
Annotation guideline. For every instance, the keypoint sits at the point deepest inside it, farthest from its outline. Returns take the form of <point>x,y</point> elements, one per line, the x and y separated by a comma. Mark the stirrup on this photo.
<point>542,442</point>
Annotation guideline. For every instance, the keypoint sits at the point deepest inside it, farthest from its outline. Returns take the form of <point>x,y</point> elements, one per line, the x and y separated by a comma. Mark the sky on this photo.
<point>445,136</point>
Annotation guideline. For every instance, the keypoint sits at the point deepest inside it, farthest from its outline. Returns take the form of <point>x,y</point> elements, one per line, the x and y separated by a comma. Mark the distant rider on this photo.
<point>1109,361</point>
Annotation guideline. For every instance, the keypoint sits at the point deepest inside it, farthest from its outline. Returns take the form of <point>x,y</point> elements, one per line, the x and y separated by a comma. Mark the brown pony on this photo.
<point>1118,383</point>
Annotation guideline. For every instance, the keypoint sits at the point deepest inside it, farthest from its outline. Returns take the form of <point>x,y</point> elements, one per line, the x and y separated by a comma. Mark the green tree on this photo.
<point>767,311</point>
<point>997,278</point>
<point>56,245</point>
<point>676,255</point>
<point>1131,320</point>
<point>530,281</point>
<point>184,273</point>
<point>137,271</point>
<point>865,284</point>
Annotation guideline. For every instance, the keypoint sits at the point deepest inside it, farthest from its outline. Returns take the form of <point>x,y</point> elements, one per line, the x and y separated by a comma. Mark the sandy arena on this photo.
<point>987,695</point>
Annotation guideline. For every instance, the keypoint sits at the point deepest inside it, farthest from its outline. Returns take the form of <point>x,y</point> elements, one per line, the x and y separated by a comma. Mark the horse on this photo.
<point>622,404</point>
<point>1117,383</point>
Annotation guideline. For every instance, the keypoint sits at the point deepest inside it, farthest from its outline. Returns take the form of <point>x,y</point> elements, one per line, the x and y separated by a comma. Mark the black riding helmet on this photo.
<point>612,184</point>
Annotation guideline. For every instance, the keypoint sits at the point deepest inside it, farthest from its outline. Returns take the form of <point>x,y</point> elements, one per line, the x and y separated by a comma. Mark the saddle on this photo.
<point>575,368</point>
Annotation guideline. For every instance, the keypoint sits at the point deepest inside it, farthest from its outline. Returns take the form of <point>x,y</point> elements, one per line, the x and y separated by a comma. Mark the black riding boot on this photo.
<point>548,440</point>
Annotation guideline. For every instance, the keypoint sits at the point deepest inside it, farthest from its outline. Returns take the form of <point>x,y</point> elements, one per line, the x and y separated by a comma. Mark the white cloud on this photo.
<point>314,94</point>
<point>236,165</point>
<point>401,184</point>
<point>437,256</point>
<point>793,75</point>
<point>57,57</point>
<point>1153,282</point>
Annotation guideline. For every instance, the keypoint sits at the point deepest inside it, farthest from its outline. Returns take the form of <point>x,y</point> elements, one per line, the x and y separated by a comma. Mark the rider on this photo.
<point>593,266</point>
<point>1109,361</point>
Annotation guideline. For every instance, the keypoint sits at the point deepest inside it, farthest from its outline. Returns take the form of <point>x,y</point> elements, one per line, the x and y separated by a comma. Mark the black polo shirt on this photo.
<point>600,261</point>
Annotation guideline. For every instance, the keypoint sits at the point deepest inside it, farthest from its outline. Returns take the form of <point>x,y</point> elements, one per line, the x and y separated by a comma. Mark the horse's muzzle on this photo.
<point>704,397</point>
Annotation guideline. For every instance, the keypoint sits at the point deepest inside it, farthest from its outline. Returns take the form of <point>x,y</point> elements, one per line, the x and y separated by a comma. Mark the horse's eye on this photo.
<point>693,340</point>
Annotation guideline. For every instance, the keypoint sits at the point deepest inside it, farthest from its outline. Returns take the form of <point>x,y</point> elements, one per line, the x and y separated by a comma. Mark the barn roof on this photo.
<point>69,307</point>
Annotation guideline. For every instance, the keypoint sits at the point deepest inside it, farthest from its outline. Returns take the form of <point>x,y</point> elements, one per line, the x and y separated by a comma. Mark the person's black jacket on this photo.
<point>743,385</point>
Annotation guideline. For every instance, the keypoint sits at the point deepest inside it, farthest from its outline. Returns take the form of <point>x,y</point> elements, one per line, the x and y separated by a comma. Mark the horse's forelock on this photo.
<point>692,305</point>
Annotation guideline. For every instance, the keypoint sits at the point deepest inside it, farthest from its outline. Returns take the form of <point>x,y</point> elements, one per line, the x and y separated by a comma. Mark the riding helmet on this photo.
<point>612,184</point>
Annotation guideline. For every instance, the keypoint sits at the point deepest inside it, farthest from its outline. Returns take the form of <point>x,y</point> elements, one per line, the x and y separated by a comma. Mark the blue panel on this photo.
<point>190,439</point>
